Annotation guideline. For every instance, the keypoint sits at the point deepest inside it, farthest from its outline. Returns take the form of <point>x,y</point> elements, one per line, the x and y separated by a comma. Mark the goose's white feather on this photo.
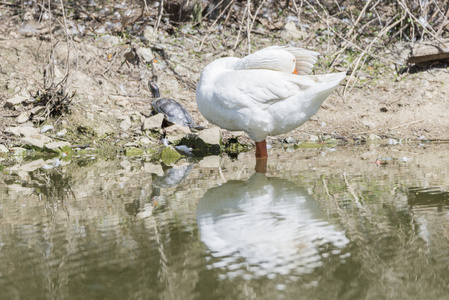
<point>259,94</point>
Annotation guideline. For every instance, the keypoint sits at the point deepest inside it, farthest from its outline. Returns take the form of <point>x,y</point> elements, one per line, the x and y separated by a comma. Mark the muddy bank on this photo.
<point>106,103</point>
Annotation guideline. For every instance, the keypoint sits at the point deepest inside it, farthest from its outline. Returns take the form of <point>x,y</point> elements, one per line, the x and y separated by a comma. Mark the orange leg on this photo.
<point>261,165</point>
<point>261,149</point>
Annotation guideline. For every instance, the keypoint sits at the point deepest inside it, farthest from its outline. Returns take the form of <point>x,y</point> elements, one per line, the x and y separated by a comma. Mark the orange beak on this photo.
<point>295,72</point>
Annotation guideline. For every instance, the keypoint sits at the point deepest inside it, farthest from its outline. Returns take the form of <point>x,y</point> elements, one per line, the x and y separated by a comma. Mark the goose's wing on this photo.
<point>305,59</point>
<point>256,88</point>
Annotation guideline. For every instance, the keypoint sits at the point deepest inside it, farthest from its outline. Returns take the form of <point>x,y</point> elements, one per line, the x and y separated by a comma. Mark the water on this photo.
<point>320,224</point>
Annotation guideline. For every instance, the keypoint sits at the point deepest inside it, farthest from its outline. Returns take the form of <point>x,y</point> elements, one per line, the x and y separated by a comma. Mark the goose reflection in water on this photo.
<point>265,227</point>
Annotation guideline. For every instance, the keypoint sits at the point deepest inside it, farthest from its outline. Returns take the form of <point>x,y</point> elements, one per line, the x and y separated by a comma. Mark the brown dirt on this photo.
<point>109,87</point>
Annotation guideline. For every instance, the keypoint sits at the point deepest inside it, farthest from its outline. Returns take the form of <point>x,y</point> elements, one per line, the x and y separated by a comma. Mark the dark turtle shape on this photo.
<point>173,111</point>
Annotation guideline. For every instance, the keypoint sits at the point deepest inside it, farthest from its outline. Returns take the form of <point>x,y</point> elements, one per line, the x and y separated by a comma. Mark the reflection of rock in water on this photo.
<point>430,211</point>
<point>265,226</point>
<point>173,176</point>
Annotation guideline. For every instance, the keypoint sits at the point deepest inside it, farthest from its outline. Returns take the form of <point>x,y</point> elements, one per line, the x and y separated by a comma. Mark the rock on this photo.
<point>111,40</point>
<point>393,142</point>
<point>289,140</point>
<point>36,140</point>
<point>19,151</point>
<point>199,147</point>
<point>100,130</point>
<point>58,146</point>
<point>21,131</point>
<point>37,109</point>
<point>176,132</point>
<point>153,169</point>
<point>54,163</point>
<point>126,123</point>
<point>121,101</point>
<point>132,151</point>
<point>372,154</point>
<point>368,124</point>
<point>29,167</point>
<point>3,149</point>
<point>153,123</point>
<point>145,211</point>
<point>149,33</point>
<point>16,100</point>
<point>23,117</point>
<point>62,132</point>
<point>146,54</point>
<point>211,136</point>
<point>131,144</point>
<point>374,137</point>
<point>46,128</point>
<point>212,161</point>
<point>313,138</point>
<point>291,32</point>
<point>169,155</point>
<point>145,141</point>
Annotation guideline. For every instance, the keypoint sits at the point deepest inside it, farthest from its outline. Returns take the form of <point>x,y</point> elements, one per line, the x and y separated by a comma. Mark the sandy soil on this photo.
<point>110,82</point>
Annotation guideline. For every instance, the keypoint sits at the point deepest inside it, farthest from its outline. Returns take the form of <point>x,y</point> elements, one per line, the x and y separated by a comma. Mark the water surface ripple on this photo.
<point>320,224</point>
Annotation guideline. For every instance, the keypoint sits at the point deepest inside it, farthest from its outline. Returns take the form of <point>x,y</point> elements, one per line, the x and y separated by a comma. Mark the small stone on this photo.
<point>111,40</point>
<point>125,124</point>
<point>145,141</point>
<point>23,117</point>
<point>146,54</point>
<point>153,168</point>
<point>313,138</point>
<point>373,137</point>
<point>3,149</point>
<point>19,151</point>
<point>383,109</point>
<point>133,151</point>
<point>21,131</point>
<point>176,132</point>
<point>212,161</point>
<point>211,136</point>
<point>291,32</point>
<point>368,124</point>
<point>153,123</point>
<point>46,128</point>
<point>149,33</point>
<point>36,140</point>
<point>58,146</point>
<point>16,100</point>
<point>37,109</point>
<point>289,140</point>
<point>29,167</point>
<point>62,132</point>
<point>120,100</point>
<point>131,144</point>
<point>169,155</point>
<point>392,142</point>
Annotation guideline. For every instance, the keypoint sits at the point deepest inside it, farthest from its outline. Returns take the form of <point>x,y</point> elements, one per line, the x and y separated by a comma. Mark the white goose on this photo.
<point>265,93</point>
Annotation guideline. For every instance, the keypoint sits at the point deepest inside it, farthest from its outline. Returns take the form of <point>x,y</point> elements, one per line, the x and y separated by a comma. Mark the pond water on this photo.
<point>319,224</point>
